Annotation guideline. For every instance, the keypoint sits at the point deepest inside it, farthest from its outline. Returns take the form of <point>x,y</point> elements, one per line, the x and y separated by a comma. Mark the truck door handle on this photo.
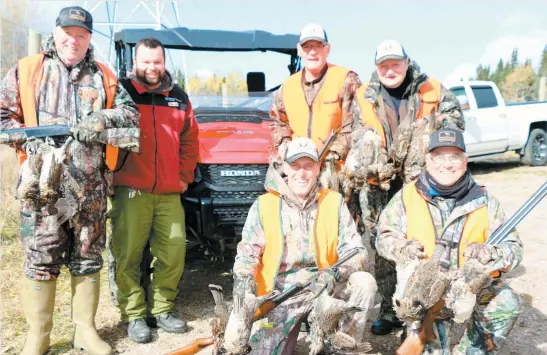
<point>502,115</point>
<point>471,118</point>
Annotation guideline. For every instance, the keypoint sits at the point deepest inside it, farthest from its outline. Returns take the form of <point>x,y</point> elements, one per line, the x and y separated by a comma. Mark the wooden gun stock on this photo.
<point>196,346</point>
<point>201,343</point>
<point>415,341</point>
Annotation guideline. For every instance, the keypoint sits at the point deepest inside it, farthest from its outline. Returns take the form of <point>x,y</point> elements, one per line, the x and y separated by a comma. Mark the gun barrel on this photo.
<point>503,231</point>
<point>21,135</point>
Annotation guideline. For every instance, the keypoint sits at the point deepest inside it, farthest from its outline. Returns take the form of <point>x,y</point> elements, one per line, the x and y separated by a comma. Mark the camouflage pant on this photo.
<point>372,201</point>
<point>495,314</point>
<point>48,244</point>
<point>497,311</point>
<point>278,332</point>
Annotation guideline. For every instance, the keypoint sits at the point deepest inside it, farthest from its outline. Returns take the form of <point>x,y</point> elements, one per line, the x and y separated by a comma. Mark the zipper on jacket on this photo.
<point>155,143</point>
<point>310,118</point>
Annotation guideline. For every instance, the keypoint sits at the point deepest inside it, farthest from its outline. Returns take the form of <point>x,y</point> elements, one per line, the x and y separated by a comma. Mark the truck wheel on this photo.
<point>535,152</point>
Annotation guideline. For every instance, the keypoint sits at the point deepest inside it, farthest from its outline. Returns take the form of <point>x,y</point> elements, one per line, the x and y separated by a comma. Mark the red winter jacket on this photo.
<point>168,144</point>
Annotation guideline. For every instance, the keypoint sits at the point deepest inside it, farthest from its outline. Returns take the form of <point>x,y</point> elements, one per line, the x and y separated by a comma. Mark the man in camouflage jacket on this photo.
<point>296,203</point>
<point>445,204</point>
<point>70,92</point>
<point>391,104</point>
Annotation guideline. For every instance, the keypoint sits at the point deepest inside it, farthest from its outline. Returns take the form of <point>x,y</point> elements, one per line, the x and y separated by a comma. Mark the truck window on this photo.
<point>461,95</point>
<point>485,96</point>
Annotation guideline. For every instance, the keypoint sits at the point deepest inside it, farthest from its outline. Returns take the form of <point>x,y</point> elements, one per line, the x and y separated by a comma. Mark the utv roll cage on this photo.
<point>206,40</point>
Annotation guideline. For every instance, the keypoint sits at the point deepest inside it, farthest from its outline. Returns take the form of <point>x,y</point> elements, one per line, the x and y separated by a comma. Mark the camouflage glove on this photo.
<point>411,250</point>
<point>325,281</point>
<point>84,135</point>
<point>481,252</point>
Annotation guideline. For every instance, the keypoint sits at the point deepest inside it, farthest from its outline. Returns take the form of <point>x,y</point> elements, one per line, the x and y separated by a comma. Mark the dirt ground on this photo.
<point>511,183</point>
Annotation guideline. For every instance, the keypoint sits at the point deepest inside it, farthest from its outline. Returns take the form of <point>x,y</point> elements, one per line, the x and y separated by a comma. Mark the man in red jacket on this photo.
<point>146,206</point>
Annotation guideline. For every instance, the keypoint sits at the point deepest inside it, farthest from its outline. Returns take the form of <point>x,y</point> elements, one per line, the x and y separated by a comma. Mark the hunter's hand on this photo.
<point>480,252</point>
<point>83,135</point>
<point>412,250</point>
<point>325,281</point>
<point>183,186</point>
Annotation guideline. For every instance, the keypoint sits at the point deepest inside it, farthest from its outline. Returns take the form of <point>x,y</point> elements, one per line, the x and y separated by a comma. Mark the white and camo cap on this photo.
<point>389,49</point>
<point>299,148</point>
<point>313,32</point>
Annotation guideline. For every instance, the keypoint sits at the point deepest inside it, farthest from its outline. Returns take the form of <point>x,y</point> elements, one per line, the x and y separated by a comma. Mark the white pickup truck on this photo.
<point>493,127</point>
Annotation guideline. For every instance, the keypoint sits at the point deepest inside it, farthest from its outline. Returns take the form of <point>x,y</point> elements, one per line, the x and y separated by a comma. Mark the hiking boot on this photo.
<point>168,322</point>
<point>384,327</point>
<point>138,331</point>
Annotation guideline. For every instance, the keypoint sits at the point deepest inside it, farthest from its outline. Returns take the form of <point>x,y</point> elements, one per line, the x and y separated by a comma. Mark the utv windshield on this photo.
<point>244,71</point>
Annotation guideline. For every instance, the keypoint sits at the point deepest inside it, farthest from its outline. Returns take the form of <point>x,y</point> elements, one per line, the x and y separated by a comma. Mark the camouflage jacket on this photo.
<point>280,126</point>
<point>298,261</point>
<point>392,227</point>
<point>69,97</point>
<point>448,104</point>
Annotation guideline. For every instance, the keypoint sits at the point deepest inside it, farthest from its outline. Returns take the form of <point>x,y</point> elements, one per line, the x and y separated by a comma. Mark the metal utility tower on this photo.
<point>110,16</point>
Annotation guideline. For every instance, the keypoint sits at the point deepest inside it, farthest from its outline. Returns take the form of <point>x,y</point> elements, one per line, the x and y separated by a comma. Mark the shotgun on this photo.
<point>328,142</point>
<point>201,343</point>
<point>122,138</point>
<point>422,332</point>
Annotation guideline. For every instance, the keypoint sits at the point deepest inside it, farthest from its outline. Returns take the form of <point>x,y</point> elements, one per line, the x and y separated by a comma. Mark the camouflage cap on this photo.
<point>301,147</point>
<point>389,49</point>
<point>447,137</point>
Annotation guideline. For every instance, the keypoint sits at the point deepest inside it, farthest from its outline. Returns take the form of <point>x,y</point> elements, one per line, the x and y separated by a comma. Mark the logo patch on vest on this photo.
<point>173,104</point>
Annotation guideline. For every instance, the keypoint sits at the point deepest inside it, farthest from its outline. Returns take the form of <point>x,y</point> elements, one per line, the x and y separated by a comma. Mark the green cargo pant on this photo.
<point>137,218</point>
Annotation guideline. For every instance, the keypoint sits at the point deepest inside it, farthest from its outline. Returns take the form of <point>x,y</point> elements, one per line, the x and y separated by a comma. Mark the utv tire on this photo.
<point>535,152</point>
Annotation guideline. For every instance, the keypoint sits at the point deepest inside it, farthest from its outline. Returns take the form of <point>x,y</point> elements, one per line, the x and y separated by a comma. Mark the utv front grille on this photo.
<point>231,214</point>
<point>236,195</point>
<point>233,174</point>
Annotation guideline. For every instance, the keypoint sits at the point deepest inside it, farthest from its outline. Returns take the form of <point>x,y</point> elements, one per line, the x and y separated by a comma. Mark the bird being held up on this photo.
<point>365,159</point>
<point>470,279</point>
<point>424,288</point>
<point>245,305</point>
<point>422,130</point>
<point>325,320</point>
<point>45,184</point>
<point>220,320</point>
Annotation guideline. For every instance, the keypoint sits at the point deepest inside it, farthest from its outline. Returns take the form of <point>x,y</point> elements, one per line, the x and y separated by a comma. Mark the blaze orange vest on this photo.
<point>324,114</point>
<point>326,235</point>
<point>420,225</point>
<point>430,94</point>
<point>30,71</point>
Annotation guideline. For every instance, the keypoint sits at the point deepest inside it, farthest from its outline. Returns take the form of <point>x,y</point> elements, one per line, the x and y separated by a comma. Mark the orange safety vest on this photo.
<point>326,235</point>
<point>419,225</point>
<point>324,114</point>
<point>30,71</point>
<point>430,94</point>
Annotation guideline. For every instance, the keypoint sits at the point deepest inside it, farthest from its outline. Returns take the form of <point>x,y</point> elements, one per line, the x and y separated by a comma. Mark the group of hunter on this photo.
<point>395,176</point>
